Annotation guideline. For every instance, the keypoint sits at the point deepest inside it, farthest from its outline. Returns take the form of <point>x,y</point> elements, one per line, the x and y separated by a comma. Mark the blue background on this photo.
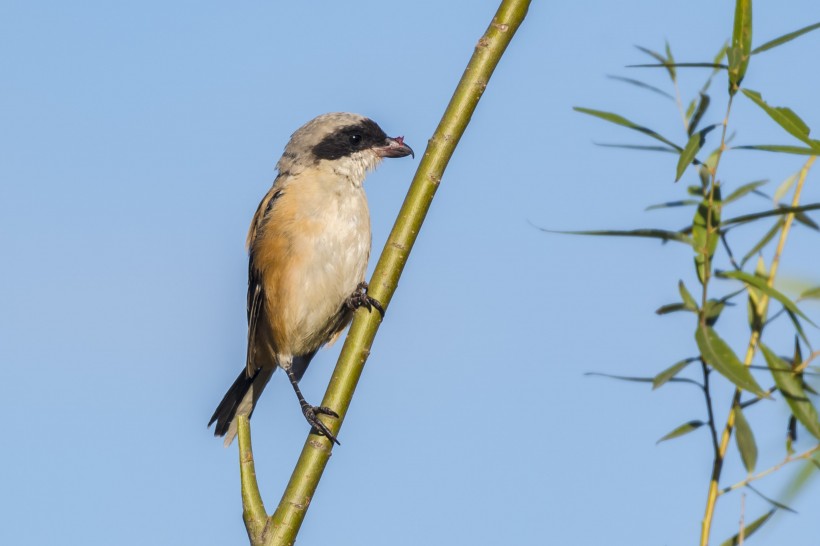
<point>136,142</point>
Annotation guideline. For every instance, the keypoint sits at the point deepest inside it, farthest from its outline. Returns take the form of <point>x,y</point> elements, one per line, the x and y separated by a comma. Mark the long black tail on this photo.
<point>240,399</point>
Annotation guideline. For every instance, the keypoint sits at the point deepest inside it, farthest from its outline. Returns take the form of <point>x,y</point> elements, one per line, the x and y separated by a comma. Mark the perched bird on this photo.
<point>308,247</point>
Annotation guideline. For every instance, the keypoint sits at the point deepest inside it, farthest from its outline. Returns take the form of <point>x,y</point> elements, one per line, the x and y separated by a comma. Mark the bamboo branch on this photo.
<point>282,527</point>
<point>762,311</point>
<point>789,459</point>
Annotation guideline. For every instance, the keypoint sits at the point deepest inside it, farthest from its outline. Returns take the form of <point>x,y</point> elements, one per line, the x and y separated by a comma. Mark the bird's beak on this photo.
<point>394,147</point>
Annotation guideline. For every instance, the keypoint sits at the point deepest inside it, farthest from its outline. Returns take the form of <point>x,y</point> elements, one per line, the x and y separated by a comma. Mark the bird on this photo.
<point>308,248</point>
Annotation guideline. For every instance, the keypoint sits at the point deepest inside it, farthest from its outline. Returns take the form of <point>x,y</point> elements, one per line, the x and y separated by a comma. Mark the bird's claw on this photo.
<point>312,415</point>
<point>360,298</point>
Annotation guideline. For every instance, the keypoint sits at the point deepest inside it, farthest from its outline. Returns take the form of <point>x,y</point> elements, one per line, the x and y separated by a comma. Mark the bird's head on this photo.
<point>349,144</point>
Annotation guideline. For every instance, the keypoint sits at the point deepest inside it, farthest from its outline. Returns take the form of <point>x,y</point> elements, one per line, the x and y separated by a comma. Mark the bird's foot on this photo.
<point>312,414</point>
<point>360,298</point>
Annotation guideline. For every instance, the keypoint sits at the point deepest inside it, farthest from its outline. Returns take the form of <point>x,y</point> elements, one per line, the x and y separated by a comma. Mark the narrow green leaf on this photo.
<point>620,120</point>
<point>642,85</point>
<point>720,356</point>
<point>777,148</point>
<point>797,356</point>
<point>685,428</point>
<point>741,48</point>
<point>750,529</point>
<point>785,38</point>
<point>654,54</point>
<point>645,233</point>
<point>712,311</point>
<point>743,190</point>
<point>745,440</point>
<point>786,118</point>
<point>806,221</point>
<point>637,147</point>
<point>668,66</point>
<point>671,61</point>
<point>760,284</point>
<point>672,308</point>
<point>810,294</point>
<point>791,435</point>
<point>688,154</point>
<point>630,378</point>
<point>705,230</point>
<point>770,500</point>
<point>670,204</point>
<point>660,58</point>
<point>690,109</point>
<point>762,242</point>
<point>780,211</point>
<point>791,385</point>
<point>686,296</point>
<point>784,188</point>
<point>694,119</point>
<point>798,327</point>
<point>670,372</point>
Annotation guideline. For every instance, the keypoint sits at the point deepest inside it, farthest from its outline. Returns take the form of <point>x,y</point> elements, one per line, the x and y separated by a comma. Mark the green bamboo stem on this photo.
<point>282,527</point>
<point>253,510</point>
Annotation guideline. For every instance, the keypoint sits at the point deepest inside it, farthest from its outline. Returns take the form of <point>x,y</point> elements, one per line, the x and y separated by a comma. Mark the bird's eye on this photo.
<point>355,139</point>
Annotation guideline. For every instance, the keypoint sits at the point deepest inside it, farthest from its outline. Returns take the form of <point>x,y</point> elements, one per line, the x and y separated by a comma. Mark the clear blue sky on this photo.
<point>136,142</point>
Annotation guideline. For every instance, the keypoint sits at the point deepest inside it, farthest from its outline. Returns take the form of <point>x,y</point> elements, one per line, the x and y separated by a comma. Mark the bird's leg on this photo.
<point>360,298</point>
<point>312,413</point>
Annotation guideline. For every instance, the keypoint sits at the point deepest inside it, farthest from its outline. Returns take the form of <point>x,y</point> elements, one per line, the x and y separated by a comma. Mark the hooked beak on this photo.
<point>394,147</point>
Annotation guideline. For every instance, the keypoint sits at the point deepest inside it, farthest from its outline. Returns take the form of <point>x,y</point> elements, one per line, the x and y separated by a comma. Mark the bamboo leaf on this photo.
<point>798,327</point>
<point>762,242</point>
<point>784,188</point>
<point>660,58</point>
<point>785,38</point>
<point>671,61</point>
<point>688,154</point>
<point>712,311</point>
<point>671,308</point>
<point>670,204</point>
<point>777,148</point>
<point>779,211</point>
<point>716,66</point>
<point>771,500</point>
<point>620,120</point>
<point>791,385</point>
<point>686,296</point>
<point>750,529</point>
<point>741,48</point>
<point>694,119</point>
<point>662,378</point>
<point>705,232</point>
<point>634,379</point>
<point>745,440</point>
<point>806,221</point>
<point>743,190</point>
<point>786,118</point>
<point>720,356</point>
<point>637,147</point>
<point>760,284</point>
<point>685,428</point>
<point>642,85</point>
<point>630,378</point>
<point>644,233</point>
<point>690,109</point>
<point>810,294</point>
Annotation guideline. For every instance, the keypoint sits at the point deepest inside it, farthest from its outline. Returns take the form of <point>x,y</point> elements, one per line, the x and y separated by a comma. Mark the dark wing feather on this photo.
<point>256,290</point>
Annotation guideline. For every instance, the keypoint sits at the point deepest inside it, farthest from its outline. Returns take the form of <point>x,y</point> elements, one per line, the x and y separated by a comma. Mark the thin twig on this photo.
<point>789,459</point>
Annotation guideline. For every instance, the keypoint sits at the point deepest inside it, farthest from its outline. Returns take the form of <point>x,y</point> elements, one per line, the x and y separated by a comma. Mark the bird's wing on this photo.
<point>256,289</point>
